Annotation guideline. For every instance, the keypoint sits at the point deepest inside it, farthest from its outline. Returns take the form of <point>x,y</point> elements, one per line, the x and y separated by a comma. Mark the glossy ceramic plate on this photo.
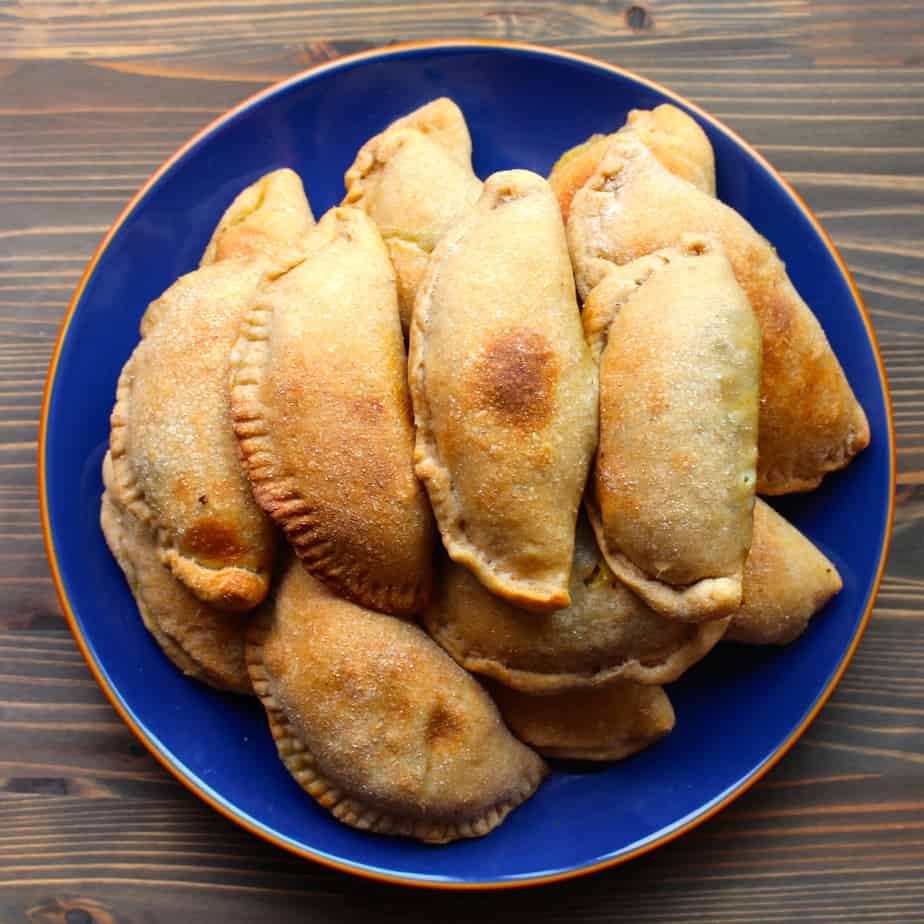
<point>524,105</point>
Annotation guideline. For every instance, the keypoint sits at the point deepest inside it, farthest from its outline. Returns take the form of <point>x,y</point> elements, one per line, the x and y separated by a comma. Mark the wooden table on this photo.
<point>93,96</point>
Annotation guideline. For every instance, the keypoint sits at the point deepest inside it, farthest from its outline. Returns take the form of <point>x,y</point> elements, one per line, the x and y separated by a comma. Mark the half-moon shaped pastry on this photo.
<point>323,419</point>
<point>609,723</point>
<point>271,212</point>
<point>505,392</point>
<point>174,455</point>
<point>378,724</point>
<point>810,421</point>
<point>606,634</point>
<point>786,581</point>
<point>204,643</point>
<point>414,180</point>
<point>668,132</point>
<point>672,491</point>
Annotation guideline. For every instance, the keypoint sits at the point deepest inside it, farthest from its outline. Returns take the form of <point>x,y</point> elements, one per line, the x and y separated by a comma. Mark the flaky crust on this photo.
<point>380,726</point>
<point>611,723</point>
<point>504,392</point>
<point>263,222</point>
<point>787,580</point>
<point>810,421</point>
<point>607,634</point>
<point>330,456</point>
<point>672,491</point>
<point>174,456</point>
<point>204,643</point>
<point>668,132</point>
<point>414,180</point>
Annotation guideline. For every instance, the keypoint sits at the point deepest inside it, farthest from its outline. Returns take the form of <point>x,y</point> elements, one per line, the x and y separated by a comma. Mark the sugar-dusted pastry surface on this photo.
<point>672,491</point>
<point>606,634</point>
<point>271,212</point>
<point>203,642</point>
<point>607,723</point>
<point>787,580</point>
<point>505,392</point>
<point>378,724</point>
<point>810,421</point>
<point>668,132</point>
<point>414,180</point>
<point>174,456</point>
<point>323,419</point>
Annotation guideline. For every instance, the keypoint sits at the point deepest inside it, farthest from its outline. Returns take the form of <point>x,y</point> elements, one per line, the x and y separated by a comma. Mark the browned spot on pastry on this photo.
<point>212,540</point>
<point>443,726</point>
<point>516,378</point>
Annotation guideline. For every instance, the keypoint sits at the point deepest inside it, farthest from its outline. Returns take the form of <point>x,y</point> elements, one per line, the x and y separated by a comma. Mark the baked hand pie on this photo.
<point>323,419</point>
<point>606,634</point>
<point>204,643</point>
<point>505,392</point>
<point>378,724</point>
<point>672,491</point>
<point>668,132</point>
<point>810,421</point>
<point>414,180</point>
<point>608,723</point>
<point>269,213</point>
<point>174,455</point>
<point>786,581</point>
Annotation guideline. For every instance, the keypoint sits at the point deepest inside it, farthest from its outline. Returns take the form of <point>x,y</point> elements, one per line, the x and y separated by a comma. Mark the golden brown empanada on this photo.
<point>203,642</point>
<point>323,419</point>
<point>608,723</point>
<point>668,132</point>
<point>810,421</point>
<point>378,724</point>
<point>270,213</point>
<point>606,634</point>
<point>505,392</point>
<point>174,455</point>
<point>672,491</point>
<point>786,581</point>
<point>414,180</point>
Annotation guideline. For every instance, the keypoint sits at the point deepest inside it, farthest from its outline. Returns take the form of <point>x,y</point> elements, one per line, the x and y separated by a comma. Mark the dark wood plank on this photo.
<point>94,96</point>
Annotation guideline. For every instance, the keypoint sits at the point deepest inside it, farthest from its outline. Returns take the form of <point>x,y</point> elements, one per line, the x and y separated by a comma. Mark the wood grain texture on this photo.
<point>93,97</point>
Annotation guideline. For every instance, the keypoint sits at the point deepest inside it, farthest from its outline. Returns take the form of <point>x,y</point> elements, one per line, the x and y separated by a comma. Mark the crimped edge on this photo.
<point>279,494</point>
<point>302,765</point>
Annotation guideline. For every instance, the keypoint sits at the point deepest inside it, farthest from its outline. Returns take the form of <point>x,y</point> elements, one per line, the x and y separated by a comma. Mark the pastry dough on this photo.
<point>378,724</point>
<point>323,419</point>
<point>609,723</point>
<point>668,132</point>
<point>271,212</point>
<point>810,421</point>
<point>786,581</point>
<point>606,634</point>
<point>414,180</point>
<point>505,392</point>
<point>202,642</point>
<point>174,456</point>
<point>673,484</point>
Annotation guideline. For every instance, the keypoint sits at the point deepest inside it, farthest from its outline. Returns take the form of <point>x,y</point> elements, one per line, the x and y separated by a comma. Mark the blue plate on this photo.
<point>524,105</point>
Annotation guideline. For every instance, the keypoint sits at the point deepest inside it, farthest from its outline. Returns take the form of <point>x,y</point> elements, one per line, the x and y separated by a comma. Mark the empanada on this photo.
<point>265,220</point>
<point>606,634</point>
<point>203,642</point>
<point>668,132</point>
<point>672,490</point>
<point>505,392</point>
<point>609,723</point>
<point>323,419</point>
<point>414,180</point>
<point>378,724</point>
<point>786,581</point>
<point>810,421</point>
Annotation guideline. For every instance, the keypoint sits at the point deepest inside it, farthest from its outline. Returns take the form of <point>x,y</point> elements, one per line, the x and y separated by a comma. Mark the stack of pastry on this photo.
<point>316,406</point>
